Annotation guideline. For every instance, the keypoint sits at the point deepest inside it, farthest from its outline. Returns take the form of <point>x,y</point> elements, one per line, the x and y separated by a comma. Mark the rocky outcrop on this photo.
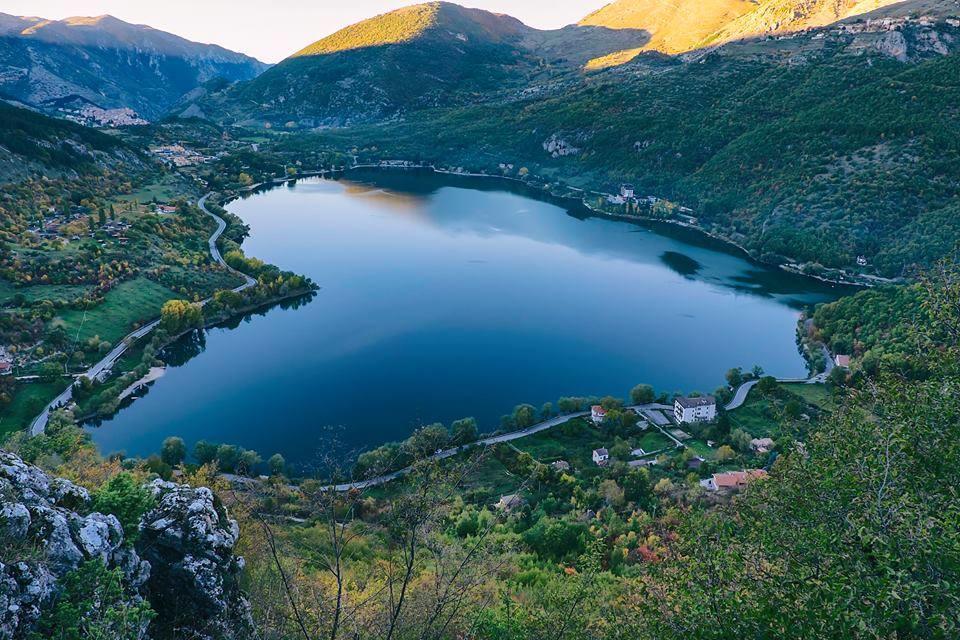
<point>188,540</point>
<point>46,535</point>
<point>183,562</point>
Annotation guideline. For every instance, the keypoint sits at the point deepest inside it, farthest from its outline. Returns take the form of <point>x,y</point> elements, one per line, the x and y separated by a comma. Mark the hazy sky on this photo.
<point>273,29</point>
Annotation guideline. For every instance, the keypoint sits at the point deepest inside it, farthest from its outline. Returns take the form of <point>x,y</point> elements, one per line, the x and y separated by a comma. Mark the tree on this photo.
<point>570,405</point>
<point>735,377</point>
<point>740,440</point>
<point>277,464</point>
<point>546,411</point>
<point>613,494</point>
<point>125,498</point>
<point>524,415</point>
<point>426,440</point>
<point>177,316</point>
<point>767,385</point>
<point>464,431</point>
<point>642,394</point>
<point>248,461</point>
<point>725,452</point>
<point>174,451</point>
<point>837,377</point>
<point>610,403</point>
<point>228,457</point>
<point>92,603</point>
<point>205,452</point>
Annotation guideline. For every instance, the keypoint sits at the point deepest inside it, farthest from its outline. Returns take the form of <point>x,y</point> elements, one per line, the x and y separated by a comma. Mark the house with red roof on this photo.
<point>732,480</point>
<point>597,414</point>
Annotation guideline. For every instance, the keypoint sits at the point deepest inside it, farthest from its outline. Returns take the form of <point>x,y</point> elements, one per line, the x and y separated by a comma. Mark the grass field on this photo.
<point>816,394</point>
<point>163,190</point>
<point>136,301</point>
<point>653,441</point>
<point>760,416</point>
<point>44,291</point>
<point>28,401</point>
<point>573,442</point>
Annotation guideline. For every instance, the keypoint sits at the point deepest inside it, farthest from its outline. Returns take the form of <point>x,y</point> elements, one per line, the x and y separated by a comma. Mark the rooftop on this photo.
<point>692,403</point>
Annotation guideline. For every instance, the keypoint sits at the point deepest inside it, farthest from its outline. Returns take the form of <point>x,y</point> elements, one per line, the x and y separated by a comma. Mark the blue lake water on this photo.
<point>450,297</point>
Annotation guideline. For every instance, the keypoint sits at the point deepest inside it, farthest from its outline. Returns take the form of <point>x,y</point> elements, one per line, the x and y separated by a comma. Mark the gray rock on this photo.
<point>39,516</point>
<point>188,538</point>
<point>183,563</point>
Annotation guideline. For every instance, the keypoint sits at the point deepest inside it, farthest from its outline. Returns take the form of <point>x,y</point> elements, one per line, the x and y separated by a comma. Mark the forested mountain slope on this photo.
<point>108,62</point>
<point>821,148</point>
<point>430,55</point>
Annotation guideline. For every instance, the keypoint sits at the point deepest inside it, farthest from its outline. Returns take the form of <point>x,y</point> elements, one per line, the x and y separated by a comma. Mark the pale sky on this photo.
<point>270,30</point>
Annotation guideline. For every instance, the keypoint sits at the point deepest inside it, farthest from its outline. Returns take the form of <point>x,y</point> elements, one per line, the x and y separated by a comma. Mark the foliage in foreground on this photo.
<point>855,534</point>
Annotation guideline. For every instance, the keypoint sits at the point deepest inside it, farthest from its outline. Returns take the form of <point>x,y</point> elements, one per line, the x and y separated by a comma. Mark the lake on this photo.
<point>448,297</point>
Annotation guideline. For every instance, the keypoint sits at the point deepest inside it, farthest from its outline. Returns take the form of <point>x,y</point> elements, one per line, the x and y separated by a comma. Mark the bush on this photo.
<point>93,603</point>
<point>125,498</point>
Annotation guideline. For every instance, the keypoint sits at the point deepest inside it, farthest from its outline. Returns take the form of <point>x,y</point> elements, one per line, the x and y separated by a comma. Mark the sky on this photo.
<point>272,30</point>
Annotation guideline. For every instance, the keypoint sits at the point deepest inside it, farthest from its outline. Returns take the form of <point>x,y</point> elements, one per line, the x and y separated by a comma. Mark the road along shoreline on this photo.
<point>95,372</point>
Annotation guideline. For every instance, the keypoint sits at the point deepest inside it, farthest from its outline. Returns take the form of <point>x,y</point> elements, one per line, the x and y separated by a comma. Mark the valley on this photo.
<point>451,326</point>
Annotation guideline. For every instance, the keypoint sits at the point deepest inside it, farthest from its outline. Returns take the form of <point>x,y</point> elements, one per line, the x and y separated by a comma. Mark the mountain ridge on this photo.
<point>109,62</point>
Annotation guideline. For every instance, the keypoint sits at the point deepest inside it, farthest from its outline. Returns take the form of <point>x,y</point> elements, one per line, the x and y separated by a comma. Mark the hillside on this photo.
<point>109,63</point>
<point>687,25</point>
<point>674,26</point>
<point>30,142</point>
<point>815,149</point>
<point>429,55</point>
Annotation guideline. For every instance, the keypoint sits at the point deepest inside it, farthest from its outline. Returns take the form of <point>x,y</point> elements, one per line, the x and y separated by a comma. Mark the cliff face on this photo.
<point>182,563</point>
<point>188,539</point>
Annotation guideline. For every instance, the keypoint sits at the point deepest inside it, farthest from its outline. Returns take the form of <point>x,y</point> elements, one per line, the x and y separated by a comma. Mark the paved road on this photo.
<point>215,250</point>
<point>484,442</point>
<point>102,367</point>
<point>740,395</point>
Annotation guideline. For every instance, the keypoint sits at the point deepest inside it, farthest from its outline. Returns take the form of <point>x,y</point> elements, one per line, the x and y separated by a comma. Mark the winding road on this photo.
<point>98,370</point>
<point>740,395</point>
<point>483,442</point>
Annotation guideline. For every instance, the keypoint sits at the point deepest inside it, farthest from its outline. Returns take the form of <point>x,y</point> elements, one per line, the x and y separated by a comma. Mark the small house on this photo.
<point>561,465</point>
<point>842,361</point>
<point>732,480</point>
<point>861,261</point>
<point>761,445</point>
<point>601,456</point>
<point>699,409</point>
<point>626,191</point>
<point>694,464</point>
<point>597,414</point>
<point>509,503</point>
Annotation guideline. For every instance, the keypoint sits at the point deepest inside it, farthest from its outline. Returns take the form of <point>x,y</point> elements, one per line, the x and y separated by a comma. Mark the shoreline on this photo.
<point>39,423</point>
<point>862,281</point>
<point>208,324</point>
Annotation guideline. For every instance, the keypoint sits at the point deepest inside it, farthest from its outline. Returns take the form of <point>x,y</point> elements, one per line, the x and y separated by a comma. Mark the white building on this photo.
<point>601,456</point>
<point>702,409</point>
<point>597,414</point>
<point>626,190</point>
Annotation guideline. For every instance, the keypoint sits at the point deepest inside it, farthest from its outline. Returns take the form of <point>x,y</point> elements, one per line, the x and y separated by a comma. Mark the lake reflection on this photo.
<point>442,298</point>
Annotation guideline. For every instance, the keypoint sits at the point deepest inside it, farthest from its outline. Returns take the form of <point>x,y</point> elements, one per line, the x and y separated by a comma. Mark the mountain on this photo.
<point>779,16</point>
<point>815,148</point>
<point>680,26</point>
<point>109,63</point>
<point>675,26</point>
<point>427,55</point>
<point>31,141</point>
